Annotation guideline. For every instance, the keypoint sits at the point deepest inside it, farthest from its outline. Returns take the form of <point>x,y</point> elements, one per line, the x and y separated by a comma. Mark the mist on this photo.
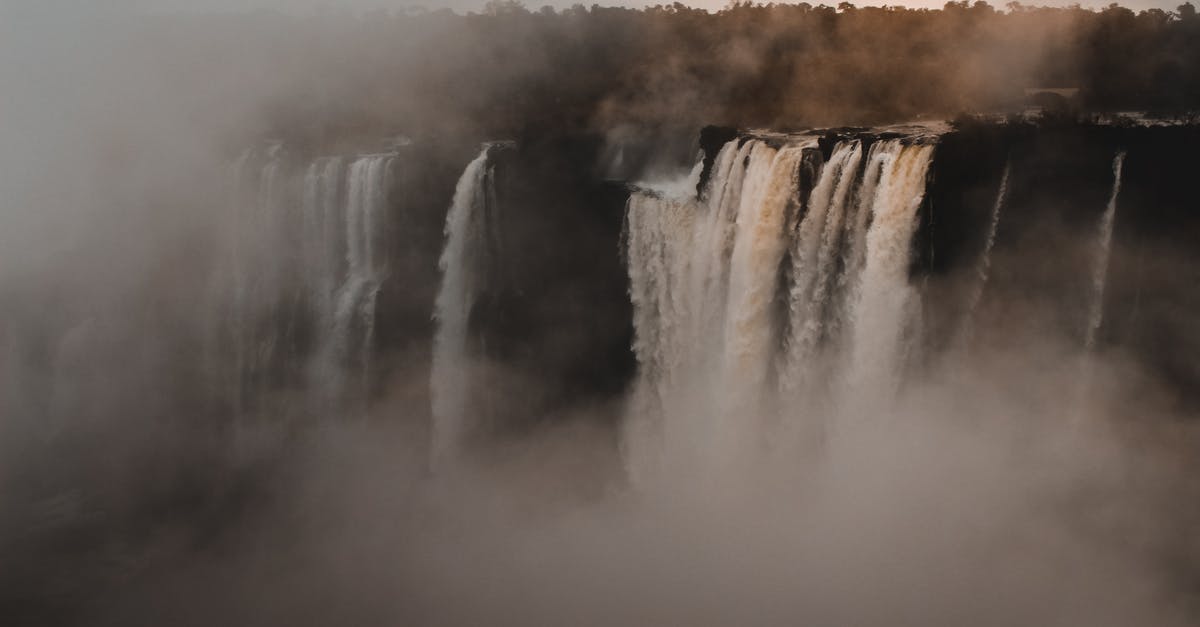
<point>962,506</point>
<point>273,352</point>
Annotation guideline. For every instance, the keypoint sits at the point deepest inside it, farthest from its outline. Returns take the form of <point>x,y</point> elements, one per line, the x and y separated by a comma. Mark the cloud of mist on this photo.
<point>966,503</point>
<point>970,502</point>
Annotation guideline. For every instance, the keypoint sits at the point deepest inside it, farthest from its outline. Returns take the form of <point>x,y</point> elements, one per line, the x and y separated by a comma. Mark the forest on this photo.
<point>772,65</point>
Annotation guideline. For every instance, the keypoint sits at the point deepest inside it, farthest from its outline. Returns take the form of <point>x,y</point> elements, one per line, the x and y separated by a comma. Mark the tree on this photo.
<point>504,7</point>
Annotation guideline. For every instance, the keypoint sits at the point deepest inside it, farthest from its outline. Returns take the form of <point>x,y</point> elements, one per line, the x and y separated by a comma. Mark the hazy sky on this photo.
<point>307,6</point>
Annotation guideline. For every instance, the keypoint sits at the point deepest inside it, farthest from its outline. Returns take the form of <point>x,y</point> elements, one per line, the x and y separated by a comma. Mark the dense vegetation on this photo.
<point>772,65</point>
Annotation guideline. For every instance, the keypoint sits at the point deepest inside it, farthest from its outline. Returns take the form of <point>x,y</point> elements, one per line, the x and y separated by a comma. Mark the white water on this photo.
<point>322,245</point>
<point>1099,279</point>
<point>984,265</point>
<point>821,236</point>
<point>886,300</point>
<point>735,299</point>
<point>1103,251</point>
<point>681,286</point>
<point>368,179</point>
<point>451,370</point>
<point>309,246</point>
<point>758,250</point>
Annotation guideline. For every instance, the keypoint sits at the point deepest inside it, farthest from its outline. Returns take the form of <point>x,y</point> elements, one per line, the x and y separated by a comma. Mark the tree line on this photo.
<point>508,69</point>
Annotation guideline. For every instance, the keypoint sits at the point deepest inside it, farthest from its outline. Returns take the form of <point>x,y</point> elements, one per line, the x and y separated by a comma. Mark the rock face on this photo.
<point>1060,181</point>
<point>557,313</point>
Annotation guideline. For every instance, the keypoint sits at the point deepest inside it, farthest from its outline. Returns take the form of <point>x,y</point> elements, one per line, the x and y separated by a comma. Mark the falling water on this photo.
<point>858,223</point>
<point>886,301</point>
<point>309,249</point>
<point>1083,397</point>
<point>323,241</point>
<point>1103,250</point>
<point>984,264</point>
<point>758,249</point>
<point>261,190</point>
<point>815,250</point>
<point>689,259</point>
<point>451,375</point>
<point>368,180</point>
<point>708,276</point>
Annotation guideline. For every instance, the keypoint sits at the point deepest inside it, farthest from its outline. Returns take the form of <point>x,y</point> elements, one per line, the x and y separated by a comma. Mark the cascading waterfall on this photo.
<point>751,328</point>
<point>820,238</point>
<point>776,297</point>
<point>693,262</point>
<point>368,180</point>
<point>855,253</point>
<point>260,195</point>
<point>885,309</point>
<point>323,243</point>
<point>467,236</point>
<point>738,292</point>
<point>658,234</point>
<point>1099,279</point>
<point>1103,251</point>
<point>984,264</point>
<point>322,265</point>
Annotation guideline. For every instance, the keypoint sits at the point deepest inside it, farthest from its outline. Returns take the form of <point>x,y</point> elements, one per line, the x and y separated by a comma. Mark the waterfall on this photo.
<point>659,234</point>
<point>984,264</point>
<point>322,244</point>
<point>857,225</point>
<point>884,312</point>
<point>739,292</point>
<point>703,275</point>
<point>307,248</point>
<point>1103,250</point>
<point>818,244</point>
<point>1099,278</point>
<point>260,190</point>
<point>368,180</point>
<point>460,263</point>
<point>758,251</point>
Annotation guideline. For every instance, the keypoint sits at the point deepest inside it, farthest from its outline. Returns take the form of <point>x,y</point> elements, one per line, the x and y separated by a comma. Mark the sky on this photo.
<point>308,6</point>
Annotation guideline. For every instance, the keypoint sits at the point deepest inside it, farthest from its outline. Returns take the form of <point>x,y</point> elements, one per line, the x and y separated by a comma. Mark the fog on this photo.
<point>963,504</point>
<point>997,486</point>
<point>309,6</point>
